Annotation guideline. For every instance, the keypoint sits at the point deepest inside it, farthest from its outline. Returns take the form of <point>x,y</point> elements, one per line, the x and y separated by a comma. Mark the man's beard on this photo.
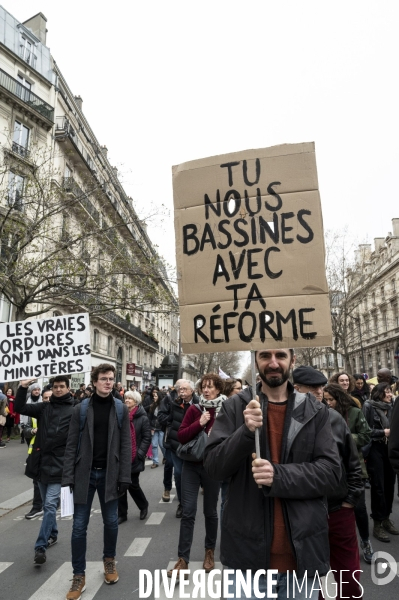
<point>274,382</point>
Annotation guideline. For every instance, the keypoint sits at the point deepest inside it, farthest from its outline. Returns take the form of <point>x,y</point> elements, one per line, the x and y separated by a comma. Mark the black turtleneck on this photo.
<point>101,409</point>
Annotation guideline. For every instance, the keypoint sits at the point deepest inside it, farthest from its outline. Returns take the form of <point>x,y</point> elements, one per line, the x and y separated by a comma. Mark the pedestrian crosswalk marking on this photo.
<point>56,587</point>
<point>4,566</point>
<point>171,499</point>
<point>17,501</point>
<point>138,547</point>
<point>155,518</point>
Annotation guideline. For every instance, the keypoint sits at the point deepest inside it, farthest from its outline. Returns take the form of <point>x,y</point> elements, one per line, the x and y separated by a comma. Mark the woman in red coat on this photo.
<point>199,417</point>
<point>12,416</point>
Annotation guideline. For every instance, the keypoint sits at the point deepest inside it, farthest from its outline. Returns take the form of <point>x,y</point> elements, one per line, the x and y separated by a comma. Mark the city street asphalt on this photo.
<point>150,544</point>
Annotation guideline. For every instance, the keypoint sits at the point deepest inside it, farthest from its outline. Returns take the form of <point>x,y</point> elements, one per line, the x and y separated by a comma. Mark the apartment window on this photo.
<point>5,310</point>
<point>375,324</point>
<point>379,359</point>
<point>373,297</point>
<point>15,190</point>
<point>385,321</point>
<point>109,345</point>
<point>395,315</point>
<point>367,325</point>
<point>67,172</point>
<point>27,53</point>
<point>370,361</point>
<point>151,361</point>
<point>96,339</point>
<point>138,357</point>
<point>145,359</point>
<point>24,88</point>
<point>382,292</point>
<point>388,355</point>
<point>393,285</point>
<point>130,354</point>
<point>20,139</point>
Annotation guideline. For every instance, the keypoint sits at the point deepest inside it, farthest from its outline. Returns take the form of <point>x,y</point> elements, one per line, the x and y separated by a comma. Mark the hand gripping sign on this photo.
<point>250,251</point>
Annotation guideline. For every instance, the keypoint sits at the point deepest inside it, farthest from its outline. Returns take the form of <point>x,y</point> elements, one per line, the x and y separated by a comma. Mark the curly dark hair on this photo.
<point>334,379</point>
<point>378,392</point>
<point>217,381</point>
<point>344,400</point>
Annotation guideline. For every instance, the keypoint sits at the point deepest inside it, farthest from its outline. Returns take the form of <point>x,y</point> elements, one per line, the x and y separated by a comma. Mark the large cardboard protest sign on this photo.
<point>45,347</point>
<point>250,251</point>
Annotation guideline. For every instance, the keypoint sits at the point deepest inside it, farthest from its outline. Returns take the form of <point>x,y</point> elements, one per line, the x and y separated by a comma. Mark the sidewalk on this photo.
<point>16,488</point>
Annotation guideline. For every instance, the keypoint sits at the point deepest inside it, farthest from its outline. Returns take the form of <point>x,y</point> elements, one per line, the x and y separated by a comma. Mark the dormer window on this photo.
<point>27,51</point>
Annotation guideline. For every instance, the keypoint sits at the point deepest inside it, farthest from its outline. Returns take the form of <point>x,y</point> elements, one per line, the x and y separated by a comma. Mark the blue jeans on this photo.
<point>50,493</point>
<point>157,439</point>
<point>81,517</point>
<point>281,588</point>
<point>178,466</point>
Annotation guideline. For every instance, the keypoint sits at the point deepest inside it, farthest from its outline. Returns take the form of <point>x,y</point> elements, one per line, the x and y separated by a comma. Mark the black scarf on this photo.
<point>381,409</point>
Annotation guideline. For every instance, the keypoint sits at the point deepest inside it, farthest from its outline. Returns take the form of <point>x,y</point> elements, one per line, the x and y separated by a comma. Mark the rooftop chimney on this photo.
<point>79,102</point>
<point>362,253</point>
<point>37,25</point>
<point>378,243</point>
<point>395,227</point>
<point>104,150</point>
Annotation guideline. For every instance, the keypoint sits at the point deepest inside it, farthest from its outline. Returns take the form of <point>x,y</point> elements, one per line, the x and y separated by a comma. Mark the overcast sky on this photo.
<point>164,82</point>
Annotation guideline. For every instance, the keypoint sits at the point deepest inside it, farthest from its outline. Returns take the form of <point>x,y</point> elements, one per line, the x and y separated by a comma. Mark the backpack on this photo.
<point>84,405</point>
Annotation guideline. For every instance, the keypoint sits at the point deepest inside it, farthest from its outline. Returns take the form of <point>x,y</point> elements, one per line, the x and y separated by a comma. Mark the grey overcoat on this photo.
<point>77,468</point>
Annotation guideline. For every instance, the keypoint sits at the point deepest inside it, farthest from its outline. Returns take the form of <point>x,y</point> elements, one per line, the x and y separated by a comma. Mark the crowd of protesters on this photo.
<point>323,443</point>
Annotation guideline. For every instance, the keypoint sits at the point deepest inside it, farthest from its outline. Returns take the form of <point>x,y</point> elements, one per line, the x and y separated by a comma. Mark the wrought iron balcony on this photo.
<point>70,185</point>
<point>21,150</point>
<point>26,96</point>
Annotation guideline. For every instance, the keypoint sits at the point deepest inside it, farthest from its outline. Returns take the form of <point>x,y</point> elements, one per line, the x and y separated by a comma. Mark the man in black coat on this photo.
<point>97,458</point>
<point>393,440</point>
<point>275,516</point>
<point>46,461</point>
<point>344,547</point>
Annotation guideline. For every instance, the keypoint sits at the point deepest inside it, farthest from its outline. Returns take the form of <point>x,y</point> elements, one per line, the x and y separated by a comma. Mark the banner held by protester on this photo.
<point>250,251</point>
<point>45,347</point>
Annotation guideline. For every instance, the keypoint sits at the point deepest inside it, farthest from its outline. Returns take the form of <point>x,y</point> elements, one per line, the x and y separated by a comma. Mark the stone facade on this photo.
<point>39,111</point>
<point>375,326</point>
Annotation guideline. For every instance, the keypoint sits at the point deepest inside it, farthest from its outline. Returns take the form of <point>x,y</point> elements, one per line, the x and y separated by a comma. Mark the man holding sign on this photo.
<point>46,461</point>
<point>275,516</point>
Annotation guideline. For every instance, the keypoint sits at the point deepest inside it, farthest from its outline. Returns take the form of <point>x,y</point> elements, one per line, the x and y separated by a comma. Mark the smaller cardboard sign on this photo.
<point>45,347</point>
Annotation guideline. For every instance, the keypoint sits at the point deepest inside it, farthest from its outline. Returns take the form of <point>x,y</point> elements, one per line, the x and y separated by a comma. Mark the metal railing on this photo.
<point>21,150</point>
<point>70,185</point>
<point>29,98</point>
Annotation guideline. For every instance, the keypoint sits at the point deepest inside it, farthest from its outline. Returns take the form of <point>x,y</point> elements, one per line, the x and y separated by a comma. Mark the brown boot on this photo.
<point>110,572</point>
<point>209,560</point>
<point>181,564</point>
<point>379,532</point>
<point>78,586</point>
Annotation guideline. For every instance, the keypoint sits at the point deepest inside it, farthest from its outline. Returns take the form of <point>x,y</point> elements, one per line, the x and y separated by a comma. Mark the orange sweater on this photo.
<point>281,556</point>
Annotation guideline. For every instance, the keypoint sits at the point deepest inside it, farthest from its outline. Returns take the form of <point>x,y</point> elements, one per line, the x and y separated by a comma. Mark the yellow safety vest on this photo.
<point>34,426</point>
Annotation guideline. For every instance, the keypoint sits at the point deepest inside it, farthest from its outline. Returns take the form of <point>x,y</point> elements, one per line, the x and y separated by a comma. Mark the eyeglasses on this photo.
<point>111,379</point>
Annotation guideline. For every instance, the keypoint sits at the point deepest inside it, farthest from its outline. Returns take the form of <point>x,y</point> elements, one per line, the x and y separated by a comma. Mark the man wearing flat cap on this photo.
<point>275,516</point>
<point>344,548</point>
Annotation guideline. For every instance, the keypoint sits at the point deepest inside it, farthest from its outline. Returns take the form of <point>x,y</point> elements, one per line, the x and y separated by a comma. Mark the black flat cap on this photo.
<point>308,376</point>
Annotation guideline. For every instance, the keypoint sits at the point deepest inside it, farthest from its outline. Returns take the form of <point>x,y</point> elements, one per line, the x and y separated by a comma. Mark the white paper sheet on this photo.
<point>66,502</point>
